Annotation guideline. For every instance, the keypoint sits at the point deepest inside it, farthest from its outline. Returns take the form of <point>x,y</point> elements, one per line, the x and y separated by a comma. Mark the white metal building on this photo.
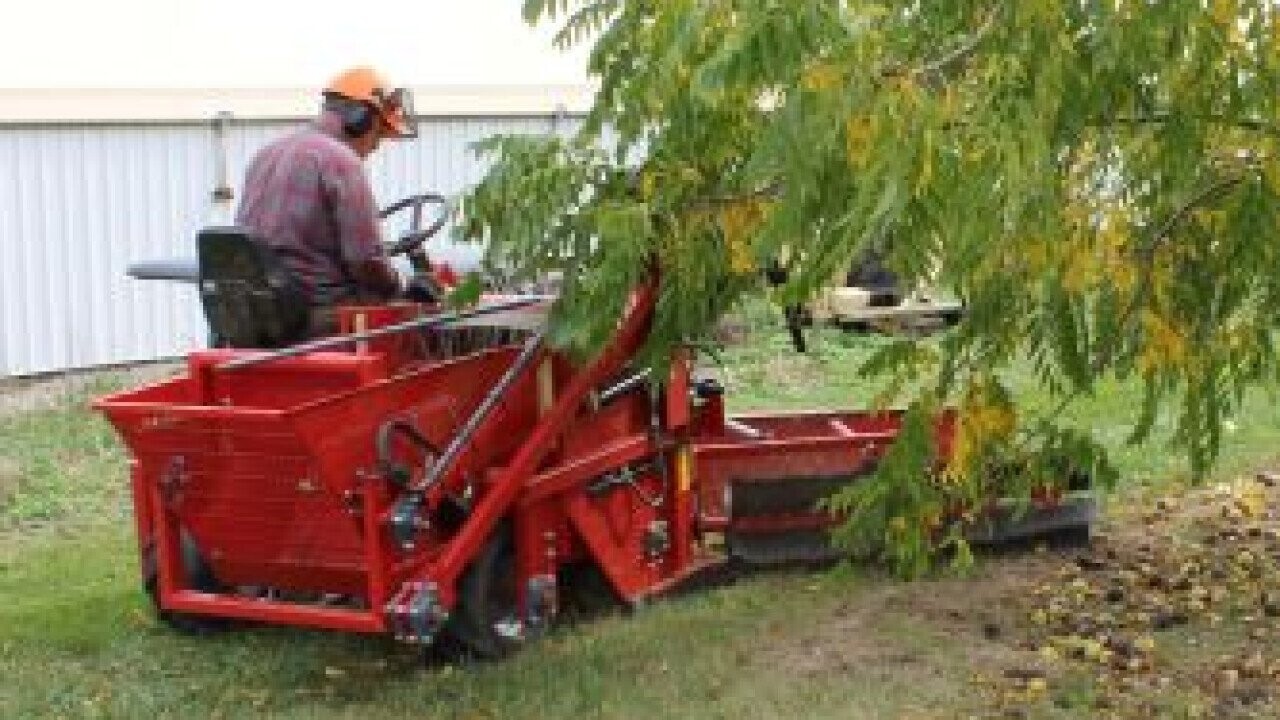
<point>93,180</point>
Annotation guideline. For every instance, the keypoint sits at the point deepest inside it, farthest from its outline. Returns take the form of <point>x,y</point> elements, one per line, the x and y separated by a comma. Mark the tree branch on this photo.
<point>1158,118</point>
<point>1146,255</point>
<point>768,192</point>
<point>1177,216</point>
<point>957,55</point>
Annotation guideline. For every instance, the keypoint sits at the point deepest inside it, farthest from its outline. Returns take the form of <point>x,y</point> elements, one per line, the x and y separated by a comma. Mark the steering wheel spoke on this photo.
<point>417,234</point>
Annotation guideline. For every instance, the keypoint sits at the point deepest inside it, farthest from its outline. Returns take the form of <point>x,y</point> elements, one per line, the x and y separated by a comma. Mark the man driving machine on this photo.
<point>307,196</point>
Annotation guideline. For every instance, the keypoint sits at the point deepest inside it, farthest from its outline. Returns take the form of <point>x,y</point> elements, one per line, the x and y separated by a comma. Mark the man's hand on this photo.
<point>424,289</point>
<point>376,276</point>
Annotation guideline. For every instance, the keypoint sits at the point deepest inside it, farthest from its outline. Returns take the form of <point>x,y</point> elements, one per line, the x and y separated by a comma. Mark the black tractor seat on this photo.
<point>250,298</point>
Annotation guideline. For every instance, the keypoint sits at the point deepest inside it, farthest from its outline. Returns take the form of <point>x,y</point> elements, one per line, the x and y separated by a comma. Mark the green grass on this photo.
<point>68,459</point>
<point>77,638</point>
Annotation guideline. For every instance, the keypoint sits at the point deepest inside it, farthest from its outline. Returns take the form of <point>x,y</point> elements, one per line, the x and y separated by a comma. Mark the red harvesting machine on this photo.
<point>429,472</point>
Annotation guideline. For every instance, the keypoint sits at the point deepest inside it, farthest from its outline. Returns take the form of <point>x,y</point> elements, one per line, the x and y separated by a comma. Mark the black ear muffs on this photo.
<point>357,119</point>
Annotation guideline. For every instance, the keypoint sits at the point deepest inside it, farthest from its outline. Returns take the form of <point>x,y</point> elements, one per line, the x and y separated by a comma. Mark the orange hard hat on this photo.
<point>364,84</point>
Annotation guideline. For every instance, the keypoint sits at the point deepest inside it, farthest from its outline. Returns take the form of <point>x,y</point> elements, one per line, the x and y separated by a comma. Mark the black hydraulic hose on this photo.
<point>636,380</point>
<point>403,520</point>
<point>463,437</point>
<point>392,470</point>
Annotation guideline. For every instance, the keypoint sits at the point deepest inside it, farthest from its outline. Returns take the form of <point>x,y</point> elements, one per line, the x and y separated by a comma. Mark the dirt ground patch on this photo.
<point>868,631</point>
<point>10,476</point>
<point>1172,611</point>
<point>19,395</point>
<point>929,637</point>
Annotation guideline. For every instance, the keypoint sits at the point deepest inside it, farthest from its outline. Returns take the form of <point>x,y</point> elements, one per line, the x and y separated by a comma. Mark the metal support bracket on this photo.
<point>404,521</point>
<point>541,603</point>
<point>415,614</point>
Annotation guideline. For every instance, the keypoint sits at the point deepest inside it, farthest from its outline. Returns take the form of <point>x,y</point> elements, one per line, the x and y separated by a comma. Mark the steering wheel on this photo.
<point>417,235</point>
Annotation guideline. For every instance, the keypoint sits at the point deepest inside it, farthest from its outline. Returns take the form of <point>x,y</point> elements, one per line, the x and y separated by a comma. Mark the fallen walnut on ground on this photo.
<point>1170,613</point>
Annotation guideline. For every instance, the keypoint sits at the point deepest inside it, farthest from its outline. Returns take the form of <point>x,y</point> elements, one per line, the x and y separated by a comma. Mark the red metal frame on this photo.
<point>272,471</point>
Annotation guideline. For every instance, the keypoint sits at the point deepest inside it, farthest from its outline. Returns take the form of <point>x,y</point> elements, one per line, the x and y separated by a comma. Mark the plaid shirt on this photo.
<point>308,197</point>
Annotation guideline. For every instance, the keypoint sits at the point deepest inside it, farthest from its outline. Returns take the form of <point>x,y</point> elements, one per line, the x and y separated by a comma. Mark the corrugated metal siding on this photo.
<point>79,203</point>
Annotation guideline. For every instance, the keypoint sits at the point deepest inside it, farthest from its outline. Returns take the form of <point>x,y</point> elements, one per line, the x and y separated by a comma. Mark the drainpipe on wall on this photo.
<point>558,116</point>
<point>223,195</point>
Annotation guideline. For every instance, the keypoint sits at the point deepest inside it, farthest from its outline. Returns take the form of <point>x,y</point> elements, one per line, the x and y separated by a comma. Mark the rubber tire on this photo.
<point>587,593</point>
<point>472,622</point>
<point>199,577</point>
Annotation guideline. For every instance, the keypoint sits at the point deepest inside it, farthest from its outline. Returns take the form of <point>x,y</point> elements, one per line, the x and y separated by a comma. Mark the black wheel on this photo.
<point>199,577</point>
<point>587,592</point>
<point>487,621</point>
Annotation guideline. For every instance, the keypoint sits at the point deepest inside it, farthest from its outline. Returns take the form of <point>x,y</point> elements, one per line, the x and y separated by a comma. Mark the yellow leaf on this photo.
<point>1036,255</point>
<point>926,164</point>
<point>738,221</point>
<point>1165,347</point>
<point>1224,12</point>
<point>950,102</point>
<point>985,418</point>
<point>910,91</point>
<point>648,184</point>
<point>1271,170</point>
<point>1250,497</point>
<point>820,76</point>
<point>859,130</point>
<point>1275,41</point>
<point>1081,269</point>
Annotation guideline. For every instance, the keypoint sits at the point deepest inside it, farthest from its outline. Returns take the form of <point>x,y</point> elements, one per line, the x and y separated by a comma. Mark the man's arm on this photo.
<point>378,276</point>
<point>359,236</point>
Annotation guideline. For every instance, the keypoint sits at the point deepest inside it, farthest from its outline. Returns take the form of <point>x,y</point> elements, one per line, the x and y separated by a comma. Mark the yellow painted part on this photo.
<point>684,470</point>
<point>546,387</point>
